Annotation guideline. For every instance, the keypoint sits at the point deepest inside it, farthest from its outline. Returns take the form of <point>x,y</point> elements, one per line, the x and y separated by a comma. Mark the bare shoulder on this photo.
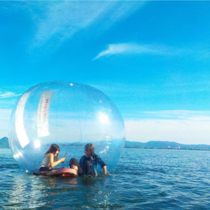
<point>50,155</point>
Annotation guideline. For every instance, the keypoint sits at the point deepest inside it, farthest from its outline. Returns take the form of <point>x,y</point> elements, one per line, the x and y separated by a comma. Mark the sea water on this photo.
<point>143,179</point>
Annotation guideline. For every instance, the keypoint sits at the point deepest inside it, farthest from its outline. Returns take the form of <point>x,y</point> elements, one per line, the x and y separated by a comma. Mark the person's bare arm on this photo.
<point>52,163</point>
<point>105,170</point>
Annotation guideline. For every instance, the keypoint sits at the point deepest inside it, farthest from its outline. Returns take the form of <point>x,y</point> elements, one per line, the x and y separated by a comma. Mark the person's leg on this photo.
<point>45,171</point>
<point>73,163</point>
<point>86,168</point>
<point>74,167</point>
<point>52,172</point>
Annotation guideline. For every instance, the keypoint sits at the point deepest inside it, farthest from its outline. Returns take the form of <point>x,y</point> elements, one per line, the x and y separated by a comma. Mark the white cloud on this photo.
<point>198,52</point>
<point>182,126</point>
<point>62,20</point>
<point>8,99</point>
<point>176,114</point>
<point>132,48</point>
<point>8,94</point>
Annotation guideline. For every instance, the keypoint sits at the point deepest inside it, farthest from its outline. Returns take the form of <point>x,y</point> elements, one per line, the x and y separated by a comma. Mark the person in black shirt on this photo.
<point>87,162</point>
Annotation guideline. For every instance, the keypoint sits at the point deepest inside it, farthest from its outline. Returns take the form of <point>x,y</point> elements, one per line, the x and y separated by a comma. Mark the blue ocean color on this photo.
<point>143,179</point>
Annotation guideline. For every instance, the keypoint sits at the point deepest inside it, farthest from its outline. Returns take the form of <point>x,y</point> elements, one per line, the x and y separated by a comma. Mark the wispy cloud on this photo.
<point>8,94</point>
<point>61,20</point>
<point>170,87</point>
<point>135,48</point>
<point>176,114</point>
<point>132,48</point>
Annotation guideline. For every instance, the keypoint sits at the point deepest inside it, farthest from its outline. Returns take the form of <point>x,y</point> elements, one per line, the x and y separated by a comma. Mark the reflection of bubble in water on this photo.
<point>70,115</point>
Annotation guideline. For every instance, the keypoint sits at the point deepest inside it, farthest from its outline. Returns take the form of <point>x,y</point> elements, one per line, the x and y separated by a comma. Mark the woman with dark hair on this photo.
<point>51,158</point>
<point>87,162</point>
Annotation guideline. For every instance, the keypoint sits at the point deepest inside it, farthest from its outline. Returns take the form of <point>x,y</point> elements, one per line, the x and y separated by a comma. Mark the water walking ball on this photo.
<point>69,115</point>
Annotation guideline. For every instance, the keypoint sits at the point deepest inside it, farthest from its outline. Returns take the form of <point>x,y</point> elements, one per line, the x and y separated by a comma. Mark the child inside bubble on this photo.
<point>51,160</point>
<point>87,162</point>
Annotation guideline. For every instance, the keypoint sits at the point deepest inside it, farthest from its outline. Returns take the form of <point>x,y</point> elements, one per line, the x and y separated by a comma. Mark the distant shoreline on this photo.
<point>166,145</point>
<point>3,144</point>
<point>165,148</point>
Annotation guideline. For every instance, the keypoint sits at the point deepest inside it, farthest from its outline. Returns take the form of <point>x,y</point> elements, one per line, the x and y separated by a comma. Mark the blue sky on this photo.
<point>151,58</point>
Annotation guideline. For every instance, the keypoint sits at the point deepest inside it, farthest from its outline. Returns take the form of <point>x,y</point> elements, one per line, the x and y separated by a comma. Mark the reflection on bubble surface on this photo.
<point>69,115</point>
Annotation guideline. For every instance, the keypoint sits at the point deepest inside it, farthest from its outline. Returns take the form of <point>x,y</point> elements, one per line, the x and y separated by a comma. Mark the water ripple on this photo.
<point>143,179</point>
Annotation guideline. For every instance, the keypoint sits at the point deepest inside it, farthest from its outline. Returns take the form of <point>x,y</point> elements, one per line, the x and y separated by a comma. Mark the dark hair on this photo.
<point>90,148</point>
<point>53,148</point>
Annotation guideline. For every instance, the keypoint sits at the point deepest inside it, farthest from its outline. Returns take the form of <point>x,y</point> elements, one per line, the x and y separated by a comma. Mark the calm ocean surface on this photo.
<point>143,179</point>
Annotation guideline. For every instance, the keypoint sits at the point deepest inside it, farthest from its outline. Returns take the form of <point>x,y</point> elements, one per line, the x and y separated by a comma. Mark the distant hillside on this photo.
<point>166,145</point>
<point>4,140</point>
<point>149,144</point>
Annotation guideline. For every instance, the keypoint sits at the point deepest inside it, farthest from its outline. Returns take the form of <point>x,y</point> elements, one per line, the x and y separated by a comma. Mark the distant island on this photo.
<point>4,141</point>
<point>166,145</point>
<point>147,145</point>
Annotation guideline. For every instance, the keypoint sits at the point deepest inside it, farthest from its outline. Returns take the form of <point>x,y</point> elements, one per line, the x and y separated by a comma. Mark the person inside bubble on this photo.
<point>51,159</point>
<point>88,162</point>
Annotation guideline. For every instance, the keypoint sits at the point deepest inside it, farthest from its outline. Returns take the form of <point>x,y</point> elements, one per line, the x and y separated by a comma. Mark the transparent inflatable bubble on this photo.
<point>69,115</point>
